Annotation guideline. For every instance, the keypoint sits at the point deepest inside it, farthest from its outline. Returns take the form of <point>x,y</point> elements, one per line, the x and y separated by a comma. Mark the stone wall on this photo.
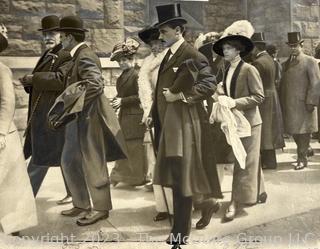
<point>219,14</point>
<point>306,19</point>
<point>103,18</point>
<point>273,18</point>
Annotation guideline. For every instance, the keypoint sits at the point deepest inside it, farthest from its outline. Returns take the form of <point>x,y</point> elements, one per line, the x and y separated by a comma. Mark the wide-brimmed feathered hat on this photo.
<point>49,23</point>
<point>71,24</point>
<point>128,47</point>
<point>205,41</point>
<point>240,31</point>
<point>168,13</point>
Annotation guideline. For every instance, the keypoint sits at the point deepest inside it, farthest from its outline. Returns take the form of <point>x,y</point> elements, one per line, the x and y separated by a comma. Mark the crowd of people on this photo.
<point>180,110</point>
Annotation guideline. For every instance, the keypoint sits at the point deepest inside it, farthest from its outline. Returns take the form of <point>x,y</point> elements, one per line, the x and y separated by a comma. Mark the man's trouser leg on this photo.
<point>36,174</point>
<point>268,159</point>
<point>94,164</point>
<point>303,143</point>
<point>182,206</point>
<point>65,184</point>
<point>71,163</point>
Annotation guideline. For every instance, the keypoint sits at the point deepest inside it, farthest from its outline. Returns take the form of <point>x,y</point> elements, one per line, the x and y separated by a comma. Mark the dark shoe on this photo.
<point>149,186</point>
<point>93,217</point>
<point>16,234</point>
<point>263,197</point>
<point>229,214</point>
<point>73,212</point>
<point>65,200</point>
<point>301,165</point>
<point>310,152</point>
<point>161,216</point>
<point>207,213</point>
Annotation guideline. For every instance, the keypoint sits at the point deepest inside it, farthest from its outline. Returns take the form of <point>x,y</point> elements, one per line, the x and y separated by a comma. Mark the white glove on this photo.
<point>227,101</point>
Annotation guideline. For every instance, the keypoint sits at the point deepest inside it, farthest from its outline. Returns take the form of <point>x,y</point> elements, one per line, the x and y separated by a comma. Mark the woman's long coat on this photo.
<point>18,209</point>
<point>300,85</point>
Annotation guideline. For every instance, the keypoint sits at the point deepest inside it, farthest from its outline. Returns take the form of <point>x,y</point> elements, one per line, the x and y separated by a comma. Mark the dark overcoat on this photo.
<point>181,127</point>
<point>299,86</point>
<point>96,116</point>
<point>270,110</point>
<point>131,113</point>
<point>42,143</point>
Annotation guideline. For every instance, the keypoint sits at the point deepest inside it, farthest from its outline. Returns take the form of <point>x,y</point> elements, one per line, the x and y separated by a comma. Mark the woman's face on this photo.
<point>126,62</point>
<point>157,46</point>
<point>229,52</point>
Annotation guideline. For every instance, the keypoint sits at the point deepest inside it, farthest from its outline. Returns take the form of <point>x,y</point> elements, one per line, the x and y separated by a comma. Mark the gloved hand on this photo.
<point>227,101</point>
<point>309,107</point>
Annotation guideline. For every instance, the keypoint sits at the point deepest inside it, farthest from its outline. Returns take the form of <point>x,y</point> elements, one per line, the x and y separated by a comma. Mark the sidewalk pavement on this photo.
<point>289,219</point>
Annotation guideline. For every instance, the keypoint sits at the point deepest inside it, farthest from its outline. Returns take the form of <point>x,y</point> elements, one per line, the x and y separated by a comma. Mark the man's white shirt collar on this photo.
<point>175,46</point>
<point>74,50</point>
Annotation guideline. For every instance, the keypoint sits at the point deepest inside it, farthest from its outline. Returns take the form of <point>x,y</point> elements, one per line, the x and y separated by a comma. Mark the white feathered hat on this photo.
<point>241,31</point>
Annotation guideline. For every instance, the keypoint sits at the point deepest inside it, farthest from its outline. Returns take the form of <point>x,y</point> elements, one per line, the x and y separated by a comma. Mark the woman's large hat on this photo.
<point>123,49</point>
<point>204,42</point>
<point>71,24</point>
<point>49,23</point>
<point>240,31</point>
<point>117,52</point>
<point>149,34</point>
<point>294,38</point>
<point>168,13</point>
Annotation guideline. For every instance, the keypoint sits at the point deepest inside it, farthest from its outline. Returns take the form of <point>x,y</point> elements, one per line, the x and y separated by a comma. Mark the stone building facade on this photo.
<point>110,21</point>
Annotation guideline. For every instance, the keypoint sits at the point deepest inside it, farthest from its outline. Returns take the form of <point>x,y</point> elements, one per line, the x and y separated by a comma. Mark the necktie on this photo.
<point>165,60</point>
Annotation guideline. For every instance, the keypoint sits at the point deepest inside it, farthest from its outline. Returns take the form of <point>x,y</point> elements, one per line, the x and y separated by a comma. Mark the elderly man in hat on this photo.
<point>93,136</point>
<point>272,128</point>
<point>42,96</point>
<point>299,95</point>
<point>179,118</point>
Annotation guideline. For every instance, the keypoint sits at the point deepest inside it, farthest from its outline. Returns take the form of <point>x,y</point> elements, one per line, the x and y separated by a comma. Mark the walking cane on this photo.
<point>162,188</point>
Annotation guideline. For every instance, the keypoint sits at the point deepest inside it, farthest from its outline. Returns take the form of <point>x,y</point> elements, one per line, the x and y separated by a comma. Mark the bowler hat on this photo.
<point>49,23</point>
<point>149,34</point>
<point>245,41</point>
<point>294,38</point>
<point>168,13</point>
<point>258,38</point>
<point>71,23</point>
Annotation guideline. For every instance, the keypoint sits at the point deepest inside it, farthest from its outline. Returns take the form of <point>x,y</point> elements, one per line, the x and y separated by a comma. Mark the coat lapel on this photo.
<point>224,80</point>
<point>125,77</point>
<point>175,57</point>
<point>234,79</point>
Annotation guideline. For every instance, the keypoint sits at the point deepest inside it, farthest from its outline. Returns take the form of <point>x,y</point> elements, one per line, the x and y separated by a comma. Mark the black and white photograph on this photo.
<point>160,124</point>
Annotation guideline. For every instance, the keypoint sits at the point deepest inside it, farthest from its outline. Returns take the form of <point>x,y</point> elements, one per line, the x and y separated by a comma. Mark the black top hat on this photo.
<point>168,13</point>
<point>149,34</point>
<point>258,37</point>
<point>294,38</point>
<point>245,41</point>
<point>71,23</point>
<point>49,23</point>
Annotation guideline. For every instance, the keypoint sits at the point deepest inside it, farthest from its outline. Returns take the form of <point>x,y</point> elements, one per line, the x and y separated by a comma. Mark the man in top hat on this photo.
<point>93,137</point>
<point>179,118</point>
<point>42,143</point>
<point>272,128</point>
<point>299,95</point>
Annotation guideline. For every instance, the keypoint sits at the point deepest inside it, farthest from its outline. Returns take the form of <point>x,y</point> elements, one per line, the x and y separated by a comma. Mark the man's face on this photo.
<point>65,41</point>
<point>169,35</point>
<point>51,38</point>
<point>229,52</point>
<point>157,46</point>
<point>295,49</point>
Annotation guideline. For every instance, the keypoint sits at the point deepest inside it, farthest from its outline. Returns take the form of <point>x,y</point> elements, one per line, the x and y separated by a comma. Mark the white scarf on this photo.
<point>147,80</point>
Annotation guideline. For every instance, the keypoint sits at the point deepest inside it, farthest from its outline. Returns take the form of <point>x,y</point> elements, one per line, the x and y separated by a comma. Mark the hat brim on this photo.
<point>248,44</point>
<point>295,43</point>
<point>117,56</point>
<point>183,21</point>
<point>50,29</point>
<point>206,49</point>
<point>70,29</point>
